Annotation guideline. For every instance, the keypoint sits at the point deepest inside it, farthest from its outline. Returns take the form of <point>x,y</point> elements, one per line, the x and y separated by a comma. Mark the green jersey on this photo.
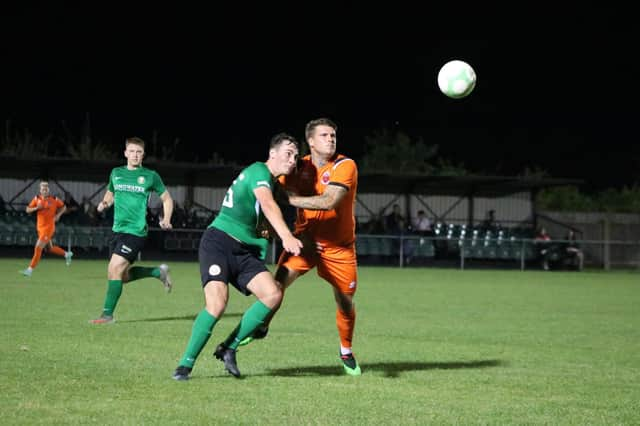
<point>131,190</point>
<point>240,212</point>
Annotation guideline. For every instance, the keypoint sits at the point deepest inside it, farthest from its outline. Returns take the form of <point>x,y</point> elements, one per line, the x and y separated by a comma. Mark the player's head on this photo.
<point>283,154</point>
<point>134,151</point>
<point>321,136</point>
<point>44,187</point>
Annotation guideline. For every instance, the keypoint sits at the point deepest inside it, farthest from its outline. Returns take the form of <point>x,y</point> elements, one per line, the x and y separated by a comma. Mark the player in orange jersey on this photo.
<point>49,209</point>
<point>324,191</point>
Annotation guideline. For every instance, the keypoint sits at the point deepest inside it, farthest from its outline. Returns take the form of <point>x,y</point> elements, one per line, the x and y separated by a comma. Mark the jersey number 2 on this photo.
<point>228,199</point>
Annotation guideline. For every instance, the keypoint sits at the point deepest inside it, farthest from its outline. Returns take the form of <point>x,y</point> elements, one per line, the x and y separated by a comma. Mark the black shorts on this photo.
<point>126,245</point>
<point>223,258</point>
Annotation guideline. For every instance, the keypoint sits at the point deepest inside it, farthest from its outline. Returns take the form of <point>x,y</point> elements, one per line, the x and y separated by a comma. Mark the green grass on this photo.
<point>437,346</point>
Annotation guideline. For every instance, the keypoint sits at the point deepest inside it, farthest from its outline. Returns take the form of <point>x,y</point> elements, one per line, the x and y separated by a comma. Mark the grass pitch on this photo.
<point>436,346</point>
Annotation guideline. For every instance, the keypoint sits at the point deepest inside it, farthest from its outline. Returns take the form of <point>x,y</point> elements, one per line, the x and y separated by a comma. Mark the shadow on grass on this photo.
<point>182,318</point>
<point>389,369</point>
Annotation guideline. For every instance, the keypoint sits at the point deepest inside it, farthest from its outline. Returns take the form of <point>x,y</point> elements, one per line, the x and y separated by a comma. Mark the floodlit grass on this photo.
<point>436,346</point>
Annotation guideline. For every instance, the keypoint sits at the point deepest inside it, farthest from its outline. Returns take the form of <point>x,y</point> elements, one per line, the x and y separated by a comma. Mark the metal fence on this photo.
<point>464,250</point>
<point>460,252</point>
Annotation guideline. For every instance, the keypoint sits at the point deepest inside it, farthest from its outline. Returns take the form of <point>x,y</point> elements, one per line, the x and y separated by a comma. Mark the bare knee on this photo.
<point>272,298</point>
<point>216,296</point>
<point>118,268</point>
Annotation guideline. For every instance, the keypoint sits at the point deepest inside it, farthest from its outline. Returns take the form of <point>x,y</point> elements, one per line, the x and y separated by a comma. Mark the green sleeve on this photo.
<point>110,186</point>
<point>158,185</point>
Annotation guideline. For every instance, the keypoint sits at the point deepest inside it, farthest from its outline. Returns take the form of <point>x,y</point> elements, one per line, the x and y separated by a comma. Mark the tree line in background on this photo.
<point>386,151</point>
<point>82,145</point>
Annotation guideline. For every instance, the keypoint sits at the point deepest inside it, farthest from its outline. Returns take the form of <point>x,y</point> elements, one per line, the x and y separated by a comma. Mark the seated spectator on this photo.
<point>72,207</point>
<point>422,224</point>
<point>395,222</point>
<point>89,211</point>
<point>573,250</point>
<point>543,244</point>
<point>489,223</point>
<point>190,213</point>
<point>375,225</point>
<point>179,217</point>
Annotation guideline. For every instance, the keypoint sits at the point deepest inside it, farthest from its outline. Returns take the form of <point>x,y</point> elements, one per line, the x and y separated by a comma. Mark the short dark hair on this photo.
<point>311,126</point>
<point>281,137</point>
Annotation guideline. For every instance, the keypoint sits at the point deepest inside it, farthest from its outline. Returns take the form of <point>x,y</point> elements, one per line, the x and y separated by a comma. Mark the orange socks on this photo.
<point>346,323</point>
<point>37,254</point>
<point>57,251</point>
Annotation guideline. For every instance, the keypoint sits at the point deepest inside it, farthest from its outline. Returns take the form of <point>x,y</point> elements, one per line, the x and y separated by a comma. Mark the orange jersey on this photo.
<point>334,227</point>
<point>46,223</point>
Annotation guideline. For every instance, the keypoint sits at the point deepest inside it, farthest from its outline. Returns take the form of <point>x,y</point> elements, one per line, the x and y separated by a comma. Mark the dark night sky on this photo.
<point>557,89</point>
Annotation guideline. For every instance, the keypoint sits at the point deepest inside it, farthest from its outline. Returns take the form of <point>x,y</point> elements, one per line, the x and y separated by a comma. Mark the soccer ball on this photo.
<point>456,79</point>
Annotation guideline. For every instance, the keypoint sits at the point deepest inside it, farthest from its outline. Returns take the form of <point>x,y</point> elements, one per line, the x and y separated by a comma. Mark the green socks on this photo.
<point>200,334</point>
<point>253,318</point>
<point>114,290</point>
<point>138,272</point>
<point>202,326</point>
<point>232,336</point>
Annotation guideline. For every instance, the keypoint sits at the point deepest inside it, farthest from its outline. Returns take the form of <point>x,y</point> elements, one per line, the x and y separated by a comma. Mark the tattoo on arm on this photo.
<point>325,201</point>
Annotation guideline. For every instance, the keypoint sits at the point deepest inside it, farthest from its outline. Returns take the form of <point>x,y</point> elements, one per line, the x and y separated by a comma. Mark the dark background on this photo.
<point>557,89</point>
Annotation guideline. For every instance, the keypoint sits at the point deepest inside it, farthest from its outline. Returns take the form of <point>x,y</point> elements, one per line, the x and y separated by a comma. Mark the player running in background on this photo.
<point>232,251</point>
<point>129,189</point>
<point>324,187</point>
<point>49,209</point>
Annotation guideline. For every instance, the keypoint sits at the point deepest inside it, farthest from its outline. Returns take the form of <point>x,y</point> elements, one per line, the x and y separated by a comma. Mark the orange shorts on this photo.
<point>337,265</point>
<point>45,235</point>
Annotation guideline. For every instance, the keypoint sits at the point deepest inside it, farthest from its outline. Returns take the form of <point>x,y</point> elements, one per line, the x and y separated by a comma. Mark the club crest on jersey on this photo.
<point>325,178</point>
<point>140,180</point>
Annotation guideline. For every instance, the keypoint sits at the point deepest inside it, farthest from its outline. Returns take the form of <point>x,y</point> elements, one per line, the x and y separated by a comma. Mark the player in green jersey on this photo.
<point>232,251</point>
<point>128,191</point>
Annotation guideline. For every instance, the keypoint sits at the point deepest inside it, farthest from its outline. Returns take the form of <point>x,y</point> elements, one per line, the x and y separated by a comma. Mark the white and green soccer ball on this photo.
<point>456,79</point>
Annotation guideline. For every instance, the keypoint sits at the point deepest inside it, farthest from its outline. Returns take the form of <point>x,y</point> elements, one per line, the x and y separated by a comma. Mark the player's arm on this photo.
<point>274,215</point>
<point>328,200</point>
<point>107,201</point>
<point>33,206</point>
<point>60,212</point>
<point>167,209</point>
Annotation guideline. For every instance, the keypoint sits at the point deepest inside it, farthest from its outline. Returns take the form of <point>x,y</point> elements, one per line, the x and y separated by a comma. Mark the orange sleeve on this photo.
<point>345,173</point>
<point>33,202</point>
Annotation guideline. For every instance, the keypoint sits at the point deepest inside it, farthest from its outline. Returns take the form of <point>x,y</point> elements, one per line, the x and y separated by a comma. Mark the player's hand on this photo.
<point>310,246</point>
<point>165,224</point>
<point>292,245</point>
<point>265,230</point>
<point>101,206</point>
<point>39,205</point>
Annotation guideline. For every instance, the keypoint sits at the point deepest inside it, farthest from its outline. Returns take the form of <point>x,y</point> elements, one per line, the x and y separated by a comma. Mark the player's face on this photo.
<point>286,156</point>
<point>134,154</point>
<point>323,141</point>
<point>44,189</point>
